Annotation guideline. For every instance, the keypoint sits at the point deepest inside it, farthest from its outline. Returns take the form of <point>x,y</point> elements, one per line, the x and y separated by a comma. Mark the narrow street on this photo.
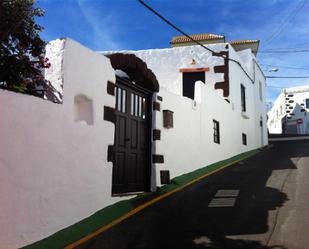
<point>261,202</point>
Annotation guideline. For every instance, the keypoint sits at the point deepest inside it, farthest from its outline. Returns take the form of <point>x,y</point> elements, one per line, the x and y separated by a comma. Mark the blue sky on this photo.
<point>126,24</point>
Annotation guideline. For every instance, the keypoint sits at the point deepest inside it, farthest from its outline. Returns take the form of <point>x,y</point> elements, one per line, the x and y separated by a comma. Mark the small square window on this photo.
<point>216,127</point>
<point>244,139</point>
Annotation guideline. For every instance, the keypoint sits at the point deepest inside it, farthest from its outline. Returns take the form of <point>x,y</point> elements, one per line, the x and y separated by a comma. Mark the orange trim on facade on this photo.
<point>194,70</point>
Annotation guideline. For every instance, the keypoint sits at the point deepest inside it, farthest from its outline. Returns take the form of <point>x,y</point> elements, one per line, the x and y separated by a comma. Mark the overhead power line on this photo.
<point>284,51</point>
<point>189,37</point>
<point>286,87</point>
<point>298,68</point>
<point>174,26</point>
<point>280,87</point>
<point>286,22</point>
<point>289,49</point>
<point>287,77</point>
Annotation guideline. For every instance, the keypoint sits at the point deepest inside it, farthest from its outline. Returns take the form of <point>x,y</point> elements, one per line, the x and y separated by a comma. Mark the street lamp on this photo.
<point>275,69</point>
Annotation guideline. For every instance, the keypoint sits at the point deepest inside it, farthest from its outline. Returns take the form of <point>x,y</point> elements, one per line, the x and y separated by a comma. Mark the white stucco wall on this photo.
<point>165,63</point>
<point>192,134</point>
<point>276,114</point>
<point>54,74</point>
<point>193,126</point>
<point>54,171</point>
<point>279,111</point>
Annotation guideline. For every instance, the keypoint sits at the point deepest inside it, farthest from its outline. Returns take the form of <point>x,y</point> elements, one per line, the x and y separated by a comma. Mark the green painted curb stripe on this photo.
<point>106,215</point>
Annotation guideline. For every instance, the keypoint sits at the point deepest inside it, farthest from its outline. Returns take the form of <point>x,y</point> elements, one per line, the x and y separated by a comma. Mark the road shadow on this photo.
<point>226,243</point>
<point>187,220</point>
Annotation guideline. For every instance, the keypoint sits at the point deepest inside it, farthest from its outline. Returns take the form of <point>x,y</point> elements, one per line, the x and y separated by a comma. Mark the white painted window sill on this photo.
<point>244,115</point>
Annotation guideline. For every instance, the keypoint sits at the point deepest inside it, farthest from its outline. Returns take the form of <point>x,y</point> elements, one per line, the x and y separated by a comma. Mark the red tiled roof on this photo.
<point>243,42</point>
<point>197,37</point>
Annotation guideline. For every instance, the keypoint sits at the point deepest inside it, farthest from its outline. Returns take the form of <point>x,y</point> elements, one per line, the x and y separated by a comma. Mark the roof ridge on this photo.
<point>199,37</point>
<point>243,41</point>
<point>201,34</point>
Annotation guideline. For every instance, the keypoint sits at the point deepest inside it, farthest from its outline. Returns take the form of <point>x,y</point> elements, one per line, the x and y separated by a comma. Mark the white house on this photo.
<point>124,123</point>
<point>289,114</point>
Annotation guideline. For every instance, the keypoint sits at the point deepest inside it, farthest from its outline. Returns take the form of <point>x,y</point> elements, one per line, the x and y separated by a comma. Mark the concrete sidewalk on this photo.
<point>258,203</point>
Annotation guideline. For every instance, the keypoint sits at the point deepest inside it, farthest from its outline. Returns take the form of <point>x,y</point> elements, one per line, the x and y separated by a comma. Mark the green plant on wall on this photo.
<point>21,49</point>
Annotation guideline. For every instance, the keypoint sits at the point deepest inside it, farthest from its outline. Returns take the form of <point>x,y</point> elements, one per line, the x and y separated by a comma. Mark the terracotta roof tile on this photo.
<point>243,42</point>
<point>197,37</point>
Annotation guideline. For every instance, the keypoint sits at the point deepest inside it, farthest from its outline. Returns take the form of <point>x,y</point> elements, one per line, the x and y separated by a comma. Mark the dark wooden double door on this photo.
<point>131,165</point>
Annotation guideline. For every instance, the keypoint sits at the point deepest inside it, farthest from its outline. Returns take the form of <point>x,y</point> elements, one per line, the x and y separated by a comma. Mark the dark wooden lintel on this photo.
<point>156,134</point>
<point>110,153</point>
<point>224,85</point>
<point>110,88</point>
<point>165,176</point>
<point>109,114</point>
<point>220,69</point>
<point>157,158</point>
<point>156,106</point>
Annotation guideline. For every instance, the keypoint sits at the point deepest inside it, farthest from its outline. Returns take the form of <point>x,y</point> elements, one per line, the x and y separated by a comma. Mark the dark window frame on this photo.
<point>243,98</point>
<point>188,83</point>
<point>307,103</point>
<point>260,90</point>
<point>244,138</point>
<point>216,131</point>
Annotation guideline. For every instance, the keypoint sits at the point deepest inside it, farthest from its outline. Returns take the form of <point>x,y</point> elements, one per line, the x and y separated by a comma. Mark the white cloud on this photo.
<point>104,26</point>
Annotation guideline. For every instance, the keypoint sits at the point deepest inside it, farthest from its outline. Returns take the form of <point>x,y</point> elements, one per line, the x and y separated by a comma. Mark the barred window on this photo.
<point>243,98</point>
<point>216,127</point>
<point>244,139</point>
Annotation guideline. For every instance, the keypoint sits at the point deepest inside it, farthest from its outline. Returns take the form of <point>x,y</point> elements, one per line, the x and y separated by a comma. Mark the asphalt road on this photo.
<point>260,203</point>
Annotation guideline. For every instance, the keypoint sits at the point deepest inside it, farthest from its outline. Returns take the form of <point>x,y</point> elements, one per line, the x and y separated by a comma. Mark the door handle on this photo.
<point>127,139</point>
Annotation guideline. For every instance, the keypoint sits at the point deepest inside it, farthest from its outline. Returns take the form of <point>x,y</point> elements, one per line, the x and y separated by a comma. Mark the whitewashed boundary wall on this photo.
<point>54,169</point>
<point>53,157</point>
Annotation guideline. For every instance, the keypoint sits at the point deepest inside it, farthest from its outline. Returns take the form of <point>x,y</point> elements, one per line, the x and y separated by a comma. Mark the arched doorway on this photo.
<point>133,124</point>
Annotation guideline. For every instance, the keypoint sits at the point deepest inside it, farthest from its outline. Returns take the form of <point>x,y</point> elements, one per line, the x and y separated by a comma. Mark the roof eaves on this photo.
<point>197,37</point>
<point>239,42</point>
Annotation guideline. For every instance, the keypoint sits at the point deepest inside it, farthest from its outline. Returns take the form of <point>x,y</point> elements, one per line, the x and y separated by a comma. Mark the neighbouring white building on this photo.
<point>289,114</point>
<point>124,123</point>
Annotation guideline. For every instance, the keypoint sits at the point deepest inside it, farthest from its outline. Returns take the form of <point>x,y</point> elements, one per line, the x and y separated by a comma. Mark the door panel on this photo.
<point>121,131</point>
<point>118,176</point>
<point>132,145</point>
<point>143,134</point>
<point>131,169</point>
<point>134,133</point>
